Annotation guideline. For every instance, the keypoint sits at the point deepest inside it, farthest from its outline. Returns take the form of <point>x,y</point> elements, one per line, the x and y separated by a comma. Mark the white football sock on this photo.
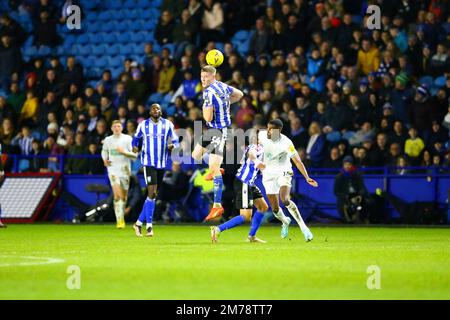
<point>149,225</point>
<point>280,216</point>
<point>293,210</point>
<point>117,209</point>
<point>139,223</point>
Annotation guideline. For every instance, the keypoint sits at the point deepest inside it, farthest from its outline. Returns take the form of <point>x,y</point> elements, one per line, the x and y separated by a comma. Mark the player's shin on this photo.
<point>149,208</point>
<point>293,210</point>
<point>256,223</point>
<point>280,216</point>
<point>218,186</point>
<point>238,220</point>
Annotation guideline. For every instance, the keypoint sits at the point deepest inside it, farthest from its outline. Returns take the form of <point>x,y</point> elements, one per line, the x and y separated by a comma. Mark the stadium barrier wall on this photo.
<point>423,184</point>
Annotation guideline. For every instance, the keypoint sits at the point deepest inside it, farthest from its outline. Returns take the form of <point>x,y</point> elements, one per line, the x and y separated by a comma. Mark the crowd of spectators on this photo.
<point>340,88</point>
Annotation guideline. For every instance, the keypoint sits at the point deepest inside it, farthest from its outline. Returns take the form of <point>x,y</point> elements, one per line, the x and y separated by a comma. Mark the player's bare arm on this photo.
<point>301,167</point>
<point>128,154</point>
<point>208,113</point>
<point>105,157</point>
<point>236,95</point>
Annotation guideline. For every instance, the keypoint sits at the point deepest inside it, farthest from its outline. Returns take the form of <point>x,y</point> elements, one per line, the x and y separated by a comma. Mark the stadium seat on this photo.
<point>149,25</point>
<point>115,4</point>
<point>85,50</point>
<point>135,26</point>
<point>114,62</point>
<point>440,81</point>
<point>91,16</point>
<point>156,3</point>
<point>125,49</point>
<point>31,51</point>
<point>133,14</point>
<point>129,4</point>
<point>104,16</point>
<point>115,72</point>
<point>427,80</point>
<point>82,39</point>
<point>108,26</point>
<point>137,37</point>
<point>117,15</point>
<point>122,26</point>
<point>44,51</point>
<point>155,98</point>
<point>101,63</point>
<point>95,38</point>
<point>113,50</point>
<point>241,35</point>
<point>109,38</point>
<point>98,50</point>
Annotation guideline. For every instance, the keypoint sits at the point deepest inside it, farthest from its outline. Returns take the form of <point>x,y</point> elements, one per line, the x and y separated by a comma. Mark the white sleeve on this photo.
<point>105,149</point>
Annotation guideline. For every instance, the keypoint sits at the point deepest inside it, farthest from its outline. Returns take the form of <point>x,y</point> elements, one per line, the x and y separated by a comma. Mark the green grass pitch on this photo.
<point>181,263</point>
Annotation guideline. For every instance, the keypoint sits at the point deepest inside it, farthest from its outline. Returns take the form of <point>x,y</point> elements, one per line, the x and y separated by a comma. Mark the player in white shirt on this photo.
<point>117,154</point>
<point>277,175</point>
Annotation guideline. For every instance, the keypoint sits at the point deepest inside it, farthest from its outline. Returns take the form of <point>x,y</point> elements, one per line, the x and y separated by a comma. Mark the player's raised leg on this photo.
<point>261,208</point>
<point>285,192</point>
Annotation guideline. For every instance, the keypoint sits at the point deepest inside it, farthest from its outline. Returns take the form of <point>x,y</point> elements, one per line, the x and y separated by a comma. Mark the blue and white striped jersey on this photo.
<point>217,96</point>
<point>155,138</point>
<point>248,172</point>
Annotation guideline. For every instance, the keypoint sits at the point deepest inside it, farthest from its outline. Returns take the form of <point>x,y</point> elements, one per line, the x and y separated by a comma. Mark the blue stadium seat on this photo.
<point>155,98</point>
<point>101,63</point>
<point>109,38</point>
<point>142,4</point>
<point>114,62</point>
<point>31,51</point>
<point>115,72</point>
<point>123,37</point>
<point>95,38</point>
<point>117,15</point>
<point>44,51</point>
<point>129,4</point>
<point>91,16</point>
<point>98,49</point>
<point>89,4</point>
<point>82,39</point>
<point>107,26</point>
<point>122,26</point>
<point>440,81</point>
<point>113,50</point>
<point>104,16</point>
<point>88,62</point>
<point>149,25</point>
<point>147,36</point>
<point>125,49</point>
<point>137,37</point>
<point>85,50</point>
<point>137,49</point>
<point>147,14</point>
<point>220,46</point>
<point>241,35</point>
<point>133,14</point>
<point>156,3</point>
<point>427,80</point>
<point>115,4</point>
<point>135,26</point>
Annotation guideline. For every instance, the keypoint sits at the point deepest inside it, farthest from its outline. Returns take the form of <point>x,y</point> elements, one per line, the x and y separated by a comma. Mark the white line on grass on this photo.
<point>34,261</point>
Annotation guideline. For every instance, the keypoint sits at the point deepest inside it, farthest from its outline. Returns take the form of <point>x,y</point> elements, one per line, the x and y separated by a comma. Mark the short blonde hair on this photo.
<point>209,69</point>
<point>116,122</point>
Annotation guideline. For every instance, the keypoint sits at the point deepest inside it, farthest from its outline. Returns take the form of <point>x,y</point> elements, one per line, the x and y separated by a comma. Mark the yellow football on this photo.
<point>214,58</point>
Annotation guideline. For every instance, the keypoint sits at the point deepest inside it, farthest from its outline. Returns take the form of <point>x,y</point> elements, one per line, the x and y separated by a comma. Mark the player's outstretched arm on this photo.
<point>301,167</point>
<point>258,163</point>
<point>235,95</point>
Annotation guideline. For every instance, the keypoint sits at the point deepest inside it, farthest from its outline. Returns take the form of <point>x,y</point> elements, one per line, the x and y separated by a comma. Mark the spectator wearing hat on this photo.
<point>137,88</point>
<point>350,191</point>
<point>420,111</point>
<point>401,98</point>
<point>315,74</point>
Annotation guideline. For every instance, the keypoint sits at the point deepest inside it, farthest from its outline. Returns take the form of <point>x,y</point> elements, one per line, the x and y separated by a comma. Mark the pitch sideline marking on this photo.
<point>30,263</point>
